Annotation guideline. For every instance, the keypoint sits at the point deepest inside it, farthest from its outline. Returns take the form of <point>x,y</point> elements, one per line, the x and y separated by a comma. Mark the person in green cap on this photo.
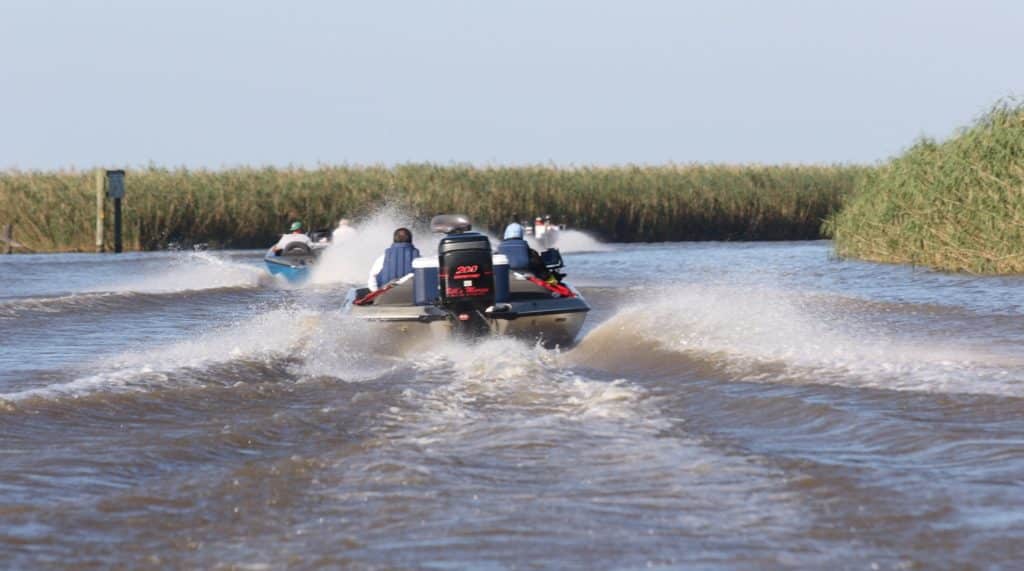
<point>292,239</point>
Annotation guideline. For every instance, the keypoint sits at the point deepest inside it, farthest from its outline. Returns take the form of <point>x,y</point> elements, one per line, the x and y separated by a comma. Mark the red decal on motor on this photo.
<point>454,292</point>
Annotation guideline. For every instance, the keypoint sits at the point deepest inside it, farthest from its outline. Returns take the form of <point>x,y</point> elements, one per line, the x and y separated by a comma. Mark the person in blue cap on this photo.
<point>519,253</point>
<point>514,247</point>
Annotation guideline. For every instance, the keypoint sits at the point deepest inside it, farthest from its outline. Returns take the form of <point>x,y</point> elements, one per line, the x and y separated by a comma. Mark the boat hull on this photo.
<point>290,271</point>
<point>555,322</point>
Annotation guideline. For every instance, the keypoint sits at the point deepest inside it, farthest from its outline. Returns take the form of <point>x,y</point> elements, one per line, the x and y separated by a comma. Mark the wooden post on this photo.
<point>115,189</point>
<point>99,209</point>
<point>9,237</point>
<point>117,226</point>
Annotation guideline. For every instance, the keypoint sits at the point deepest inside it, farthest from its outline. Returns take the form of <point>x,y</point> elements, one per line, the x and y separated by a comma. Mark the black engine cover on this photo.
<point>465,271</point>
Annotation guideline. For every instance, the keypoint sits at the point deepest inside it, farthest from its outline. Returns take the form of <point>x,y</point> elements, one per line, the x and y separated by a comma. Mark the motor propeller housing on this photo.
<point>466,272</point>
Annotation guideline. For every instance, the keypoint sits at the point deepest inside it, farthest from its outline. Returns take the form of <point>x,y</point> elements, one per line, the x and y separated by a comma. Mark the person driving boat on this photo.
<point>519,253</point>
<point>514,247</point>
<point>295,235</point>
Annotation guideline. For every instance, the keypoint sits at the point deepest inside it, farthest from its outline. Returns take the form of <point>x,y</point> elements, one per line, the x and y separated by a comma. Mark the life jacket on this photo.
<point>397,262</point>
<point>517,251</point>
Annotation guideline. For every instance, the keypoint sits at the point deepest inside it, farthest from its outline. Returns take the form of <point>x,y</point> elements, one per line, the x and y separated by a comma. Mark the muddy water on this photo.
<point>728,406</point>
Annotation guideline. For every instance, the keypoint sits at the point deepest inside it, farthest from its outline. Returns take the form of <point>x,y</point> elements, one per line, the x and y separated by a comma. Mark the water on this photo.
<point>729,406</point>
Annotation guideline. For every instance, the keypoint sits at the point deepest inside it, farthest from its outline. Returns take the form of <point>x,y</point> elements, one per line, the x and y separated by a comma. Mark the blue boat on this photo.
<point>295,269</point>
<point>295,262</point>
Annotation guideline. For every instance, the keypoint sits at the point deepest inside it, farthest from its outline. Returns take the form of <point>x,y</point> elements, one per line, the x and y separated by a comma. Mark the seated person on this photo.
<point>519,253</point>
<point>344,232</point>
<point>515,248</point>
<point>395,262</point>
<point>294,236</point>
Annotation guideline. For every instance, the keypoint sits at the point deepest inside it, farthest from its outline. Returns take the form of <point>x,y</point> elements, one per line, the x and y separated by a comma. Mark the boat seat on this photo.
<point>401,294</point>
<point>525,289</point>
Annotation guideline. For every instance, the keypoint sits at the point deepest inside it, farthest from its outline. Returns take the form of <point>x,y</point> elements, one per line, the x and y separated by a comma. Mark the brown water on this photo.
<point>729,406</point>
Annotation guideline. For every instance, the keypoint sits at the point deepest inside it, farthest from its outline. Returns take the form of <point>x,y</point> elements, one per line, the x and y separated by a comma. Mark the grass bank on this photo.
<point>247,207</point>
<point>957,205</point>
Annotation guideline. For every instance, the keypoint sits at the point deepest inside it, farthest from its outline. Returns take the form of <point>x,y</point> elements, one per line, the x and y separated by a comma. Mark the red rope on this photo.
<point>556,288</point>
<point>368,298</point>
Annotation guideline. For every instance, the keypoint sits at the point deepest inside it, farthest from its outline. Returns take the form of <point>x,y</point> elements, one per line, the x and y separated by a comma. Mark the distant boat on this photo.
<point>296,261</point>
<point>545,232</point>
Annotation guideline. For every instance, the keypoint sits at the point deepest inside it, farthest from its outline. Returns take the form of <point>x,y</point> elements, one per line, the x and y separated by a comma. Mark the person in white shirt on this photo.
<point>395,262</point>
<point>294,236</point>
<point>344,232</point>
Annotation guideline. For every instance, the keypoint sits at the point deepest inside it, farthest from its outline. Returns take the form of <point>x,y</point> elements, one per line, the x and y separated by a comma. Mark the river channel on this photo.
<point>727,406</point>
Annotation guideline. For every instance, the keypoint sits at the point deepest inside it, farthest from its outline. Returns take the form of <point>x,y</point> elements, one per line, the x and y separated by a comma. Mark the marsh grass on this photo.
<point>956,205</point>
<point>249,207</point>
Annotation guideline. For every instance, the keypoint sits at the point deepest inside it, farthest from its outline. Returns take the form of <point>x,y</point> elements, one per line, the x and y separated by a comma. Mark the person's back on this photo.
<point>294,236</point>
<point>344,232</point>
<point>519,253</point>
<point>515,248</point>
<point>396,260</point>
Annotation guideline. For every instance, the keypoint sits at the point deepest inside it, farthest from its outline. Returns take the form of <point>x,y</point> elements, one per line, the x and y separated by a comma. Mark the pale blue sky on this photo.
<point>216,84</point>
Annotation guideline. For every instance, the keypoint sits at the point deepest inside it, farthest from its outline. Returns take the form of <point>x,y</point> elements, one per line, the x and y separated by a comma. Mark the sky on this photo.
<point>218,84</point>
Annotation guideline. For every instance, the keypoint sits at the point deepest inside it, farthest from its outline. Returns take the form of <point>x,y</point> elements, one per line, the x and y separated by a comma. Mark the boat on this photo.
<point>295,262</point>
<point>467,291</point>
<point>545,232</point>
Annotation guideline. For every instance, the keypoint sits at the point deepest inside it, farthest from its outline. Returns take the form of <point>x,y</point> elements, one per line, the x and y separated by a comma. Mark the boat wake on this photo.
<point>352,251</point>
<point>281,344</point>
<point>263,339</point>
<point>191,272</point>
<point>693,332</point>
<point>767,335</point>
<point>575,242</point>
<point>187,274</point>
<point>506,432</point>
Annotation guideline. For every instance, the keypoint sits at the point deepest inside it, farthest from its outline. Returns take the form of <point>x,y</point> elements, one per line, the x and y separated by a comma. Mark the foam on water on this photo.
<point>343,348</point>
<point>266,337</point>
<point>574,241</point>
<point>194,271</point>
<point>352,252</point>
<point>10,309</point>
<point>307,342</point>
<point>516,374</point>
<point>501,425</point>
<point>189,272</point>
<point>354,249</point>
<point>771,335</point>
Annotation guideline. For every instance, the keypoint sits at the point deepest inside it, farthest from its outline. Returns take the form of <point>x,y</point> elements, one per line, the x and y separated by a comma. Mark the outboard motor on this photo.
<point>465,272</point>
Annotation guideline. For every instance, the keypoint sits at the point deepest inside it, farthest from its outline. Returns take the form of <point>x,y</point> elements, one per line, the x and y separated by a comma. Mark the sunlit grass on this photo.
<point>245,207</point>
<point>956,205</point>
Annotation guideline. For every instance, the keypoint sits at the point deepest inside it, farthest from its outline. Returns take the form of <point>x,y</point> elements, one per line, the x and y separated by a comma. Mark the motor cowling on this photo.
<point>465,272</point>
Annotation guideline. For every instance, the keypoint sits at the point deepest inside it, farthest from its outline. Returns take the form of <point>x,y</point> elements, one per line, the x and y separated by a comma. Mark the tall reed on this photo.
<point>956,205</point>
<point>247,207</point>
